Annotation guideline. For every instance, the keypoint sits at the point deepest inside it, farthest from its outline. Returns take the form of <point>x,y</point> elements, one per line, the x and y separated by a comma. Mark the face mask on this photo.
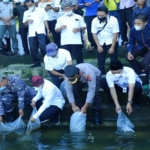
<point>137,28</point>
<point>5,1</point>
<point>117,75</point>
<point>2,88</point>
<point>31,8</point>
<point>38,88</point>
<point>68,13</point>
<point>102,19</point>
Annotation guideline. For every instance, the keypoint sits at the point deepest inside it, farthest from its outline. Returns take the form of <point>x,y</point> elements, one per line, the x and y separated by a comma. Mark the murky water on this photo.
<point>60,138</point>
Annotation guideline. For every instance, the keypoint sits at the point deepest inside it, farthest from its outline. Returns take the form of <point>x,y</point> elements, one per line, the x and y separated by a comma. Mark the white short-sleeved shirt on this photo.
<point>106,35</point>
<point>59,62</point>
<point>52,96</point>
<point>52,14</point>
<point>67,35</point>
<point>38,16</point>
<point>127,76</point>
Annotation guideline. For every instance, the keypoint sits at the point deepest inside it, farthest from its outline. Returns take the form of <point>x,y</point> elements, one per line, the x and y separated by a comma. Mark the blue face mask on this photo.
<point>2,88</point>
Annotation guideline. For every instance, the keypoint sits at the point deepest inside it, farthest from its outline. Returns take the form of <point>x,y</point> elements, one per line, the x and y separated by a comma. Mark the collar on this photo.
<point>142,7</point>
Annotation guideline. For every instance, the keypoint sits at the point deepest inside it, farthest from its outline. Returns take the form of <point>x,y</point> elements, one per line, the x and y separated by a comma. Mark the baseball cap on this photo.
<point>71,72</point>
<point>51,49</point>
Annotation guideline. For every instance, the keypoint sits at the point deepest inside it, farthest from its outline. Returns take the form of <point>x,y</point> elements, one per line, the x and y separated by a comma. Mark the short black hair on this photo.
<point>102,8</point>
<point>142,17</point>
<point>26,1</point>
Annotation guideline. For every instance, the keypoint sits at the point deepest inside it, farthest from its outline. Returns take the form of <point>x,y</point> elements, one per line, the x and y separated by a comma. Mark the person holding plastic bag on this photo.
<point>52,103</point>
<point>122,79</point>
<point>77,77</point>
<point>12,87</point>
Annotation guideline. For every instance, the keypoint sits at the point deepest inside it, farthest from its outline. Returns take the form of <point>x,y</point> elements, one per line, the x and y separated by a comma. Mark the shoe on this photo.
<point>96,119</point>
<point>25,54</point>
<point>35,65</point>
<point>141,74</point>
<point>56,121</point>
<point>10,116</point>
<point>125,43</point>
<point>136,106</point>
<point>45,121</point>
<point>90,49</point>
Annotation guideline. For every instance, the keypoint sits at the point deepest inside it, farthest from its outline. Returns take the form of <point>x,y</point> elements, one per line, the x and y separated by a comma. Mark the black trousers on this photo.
<point>125,17</point>
<point>51,112</point>
<point>137,90</point>
<point>23,33</point>
<point>88,21</point>
<point>56,79</point>
<point>56,35</point>
<point>136,65</point>
<point>77,90</point>
<point>76,51</point>
<point>102,56</point>
<point>38,40</point>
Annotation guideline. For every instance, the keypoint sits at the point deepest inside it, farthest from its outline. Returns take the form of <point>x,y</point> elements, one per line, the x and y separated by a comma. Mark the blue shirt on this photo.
<point>145,10</point>
<point>91,10</point>
<point>141,37</point>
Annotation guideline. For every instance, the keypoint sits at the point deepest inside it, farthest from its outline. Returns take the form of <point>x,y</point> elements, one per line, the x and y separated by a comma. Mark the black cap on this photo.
<point>115,65</point>
<point>71,72</point>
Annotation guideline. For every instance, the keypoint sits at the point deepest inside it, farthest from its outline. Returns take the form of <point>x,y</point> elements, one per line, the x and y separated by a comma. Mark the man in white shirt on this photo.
<point>51,105</point>
<point>55,60</point>
<point>105,31</point>
<point>70,25</point>
<point>122,79</point>
<point>52,9</point>
<point>36,19</point>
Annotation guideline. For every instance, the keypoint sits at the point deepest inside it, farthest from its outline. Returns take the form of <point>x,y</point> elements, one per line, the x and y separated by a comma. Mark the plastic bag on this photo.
<point>18,124</point>
<point>33,125</point>
<point>78,122</point>
<point>123,123</point>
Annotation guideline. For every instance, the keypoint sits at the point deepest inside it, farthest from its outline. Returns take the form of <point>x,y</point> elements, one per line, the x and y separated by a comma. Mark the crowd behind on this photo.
<point>66,21</point>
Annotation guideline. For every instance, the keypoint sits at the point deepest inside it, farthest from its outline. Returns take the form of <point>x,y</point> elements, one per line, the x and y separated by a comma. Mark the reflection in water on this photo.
<point>103,138</point>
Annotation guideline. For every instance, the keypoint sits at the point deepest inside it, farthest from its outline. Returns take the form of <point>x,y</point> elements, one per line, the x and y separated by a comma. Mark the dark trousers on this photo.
<point>76,51</point>
<point>56,35</point>
<point>102,56</point>
<point>23,33</point>
<point>77,90</point>
<point>51,112</point>
<point>88,21</point>
<point>125,17</point>
<point>137,90</point>
<point>136,65</point>
<point>56,79</point>
<point>34,41</point>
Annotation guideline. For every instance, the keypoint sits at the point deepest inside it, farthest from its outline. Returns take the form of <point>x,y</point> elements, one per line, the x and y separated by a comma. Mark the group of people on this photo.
<point>103,28</point>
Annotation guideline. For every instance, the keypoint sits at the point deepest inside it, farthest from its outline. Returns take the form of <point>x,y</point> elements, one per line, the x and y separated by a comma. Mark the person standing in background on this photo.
<point>52,9</point>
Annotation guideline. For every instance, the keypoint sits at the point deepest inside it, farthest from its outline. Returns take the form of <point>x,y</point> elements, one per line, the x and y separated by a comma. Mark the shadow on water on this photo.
<point>58,138</point>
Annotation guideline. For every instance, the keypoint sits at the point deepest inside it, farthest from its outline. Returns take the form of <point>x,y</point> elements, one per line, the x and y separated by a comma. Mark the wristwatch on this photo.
<point>130,102</point>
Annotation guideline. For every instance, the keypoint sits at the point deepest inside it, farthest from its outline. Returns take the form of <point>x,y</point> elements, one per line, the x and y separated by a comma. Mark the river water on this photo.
<point>60,138</point>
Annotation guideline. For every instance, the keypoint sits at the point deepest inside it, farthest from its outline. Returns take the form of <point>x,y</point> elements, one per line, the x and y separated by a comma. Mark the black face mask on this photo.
<point>102,19</point>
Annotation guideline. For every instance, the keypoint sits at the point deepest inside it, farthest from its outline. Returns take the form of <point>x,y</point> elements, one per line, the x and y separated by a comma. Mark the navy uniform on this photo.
<point>15,89</point>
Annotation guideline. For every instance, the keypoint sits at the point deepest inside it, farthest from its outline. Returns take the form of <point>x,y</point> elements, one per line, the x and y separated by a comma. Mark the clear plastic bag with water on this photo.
<point>78,122</point>
<point>124,125</point>
<point>33,125</point>
<point>15,126</point>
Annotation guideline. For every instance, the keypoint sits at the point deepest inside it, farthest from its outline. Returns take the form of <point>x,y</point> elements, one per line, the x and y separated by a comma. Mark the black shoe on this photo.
<point>35,65</point>
<point>96,119</point>
<point>25,54</point>
<point>10,116</point>
<point>136,106</point>
<point>56,121</point>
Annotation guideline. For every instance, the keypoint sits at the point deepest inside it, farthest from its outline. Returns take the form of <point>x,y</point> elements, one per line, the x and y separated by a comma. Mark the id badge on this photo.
<point>124,90</point>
